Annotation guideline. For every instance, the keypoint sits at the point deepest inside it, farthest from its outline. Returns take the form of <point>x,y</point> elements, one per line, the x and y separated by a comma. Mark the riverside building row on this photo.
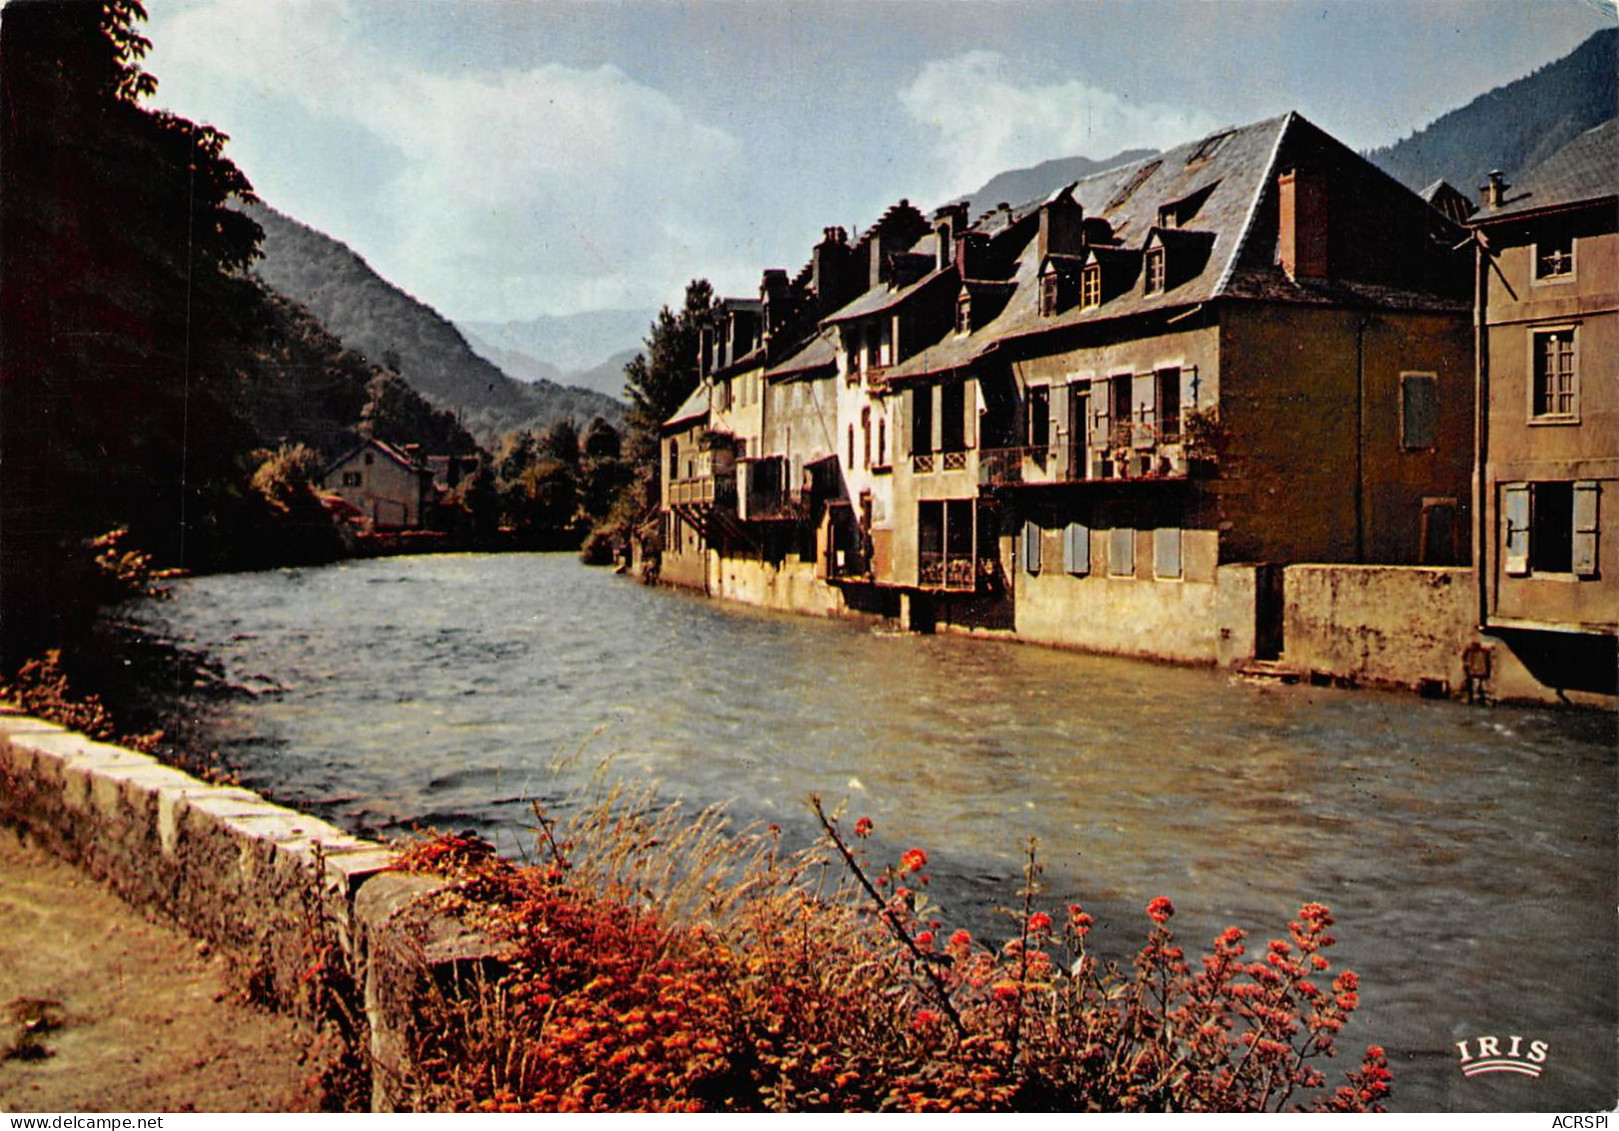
<point>1249,402</point>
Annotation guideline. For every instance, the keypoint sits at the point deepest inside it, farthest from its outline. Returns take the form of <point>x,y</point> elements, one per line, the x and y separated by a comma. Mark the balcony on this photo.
<point>951,572</point>
<point>925,463</point>
<point>778,506</point>
<point>922,464</point>
<point>703,489</point>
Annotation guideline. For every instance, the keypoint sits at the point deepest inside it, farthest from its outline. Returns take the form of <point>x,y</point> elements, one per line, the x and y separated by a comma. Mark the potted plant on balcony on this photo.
<point>1203,440</point>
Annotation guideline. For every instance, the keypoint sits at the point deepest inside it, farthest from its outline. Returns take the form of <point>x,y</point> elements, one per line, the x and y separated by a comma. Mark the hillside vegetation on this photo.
<point>375,318</point>
<point>1514,127</point>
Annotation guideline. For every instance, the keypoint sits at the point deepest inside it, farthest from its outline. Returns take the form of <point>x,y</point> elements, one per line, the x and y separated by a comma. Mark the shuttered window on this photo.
<point>1031,547</point>
<point>1515,528</point>
<point>1166,552</point>
<point>1419,410</point>
<point>1121,553</point>
<point>1586,522</point>
<point>1077,549</point>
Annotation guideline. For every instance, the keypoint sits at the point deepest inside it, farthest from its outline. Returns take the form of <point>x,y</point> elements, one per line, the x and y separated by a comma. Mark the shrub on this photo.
<point>655,963</point>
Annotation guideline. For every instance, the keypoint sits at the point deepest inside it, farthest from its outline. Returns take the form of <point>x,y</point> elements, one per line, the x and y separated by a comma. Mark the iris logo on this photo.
<point>1524,1059</point>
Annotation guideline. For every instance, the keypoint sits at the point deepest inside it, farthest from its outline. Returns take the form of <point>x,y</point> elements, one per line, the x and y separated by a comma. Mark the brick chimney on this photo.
<point>832,274</point>
<point>1062,227</point>
<point>773,299</point>
<point>1495,192</point>
<point>970,249</point>
<point>949,221</point>
<point>1301,243</point>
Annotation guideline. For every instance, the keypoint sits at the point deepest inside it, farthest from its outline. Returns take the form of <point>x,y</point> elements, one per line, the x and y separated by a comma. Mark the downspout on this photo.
<point>1481,430</point>
<point>1360,438</point>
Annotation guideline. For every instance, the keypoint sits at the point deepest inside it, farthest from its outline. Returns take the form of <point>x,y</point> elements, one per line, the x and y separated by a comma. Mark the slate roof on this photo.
<point>382,446</point>
<point>694,407</point>
<point>1587,168</point>
<point>1232,172</point>
<point>818,353</point>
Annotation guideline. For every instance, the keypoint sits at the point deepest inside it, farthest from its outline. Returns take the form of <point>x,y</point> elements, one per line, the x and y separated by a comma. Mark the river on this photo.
<point>1470,854</point>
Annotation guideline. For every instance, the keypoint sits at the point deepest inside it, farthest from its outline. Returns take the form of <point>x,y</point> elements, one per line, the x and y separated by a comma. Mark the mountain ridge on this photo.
<point>394,329</point>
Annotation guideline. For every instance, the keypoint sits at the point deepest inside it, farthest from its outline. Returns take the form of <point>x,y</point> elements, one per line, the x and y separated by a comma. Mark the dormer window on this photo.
<point>964,314</point>
<point>1048,294</point>
<point>1090,287</point>
<point>1155,271</point>
<point>1554,257</point>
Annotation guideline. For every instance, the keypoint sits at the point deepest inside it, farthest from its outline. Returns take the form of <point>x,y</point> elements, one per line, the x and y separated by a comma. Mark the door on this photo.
<point>1269,604</point>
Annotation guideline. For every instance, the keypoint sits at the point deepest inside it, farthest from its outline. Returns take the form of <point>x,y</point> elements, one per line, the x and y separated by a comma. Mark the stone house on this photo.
<point>1108,419</point>
<point>1548,368</point>
<point>391,486</point>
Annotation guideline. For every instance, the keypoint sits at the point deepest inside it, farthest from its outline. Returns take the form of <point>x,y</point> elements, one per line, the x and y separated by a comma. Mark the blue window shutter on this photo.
<point>1121,552</point>
<point>1077,549</point>
<point>1031,547</point>
<point>1166,552</point>
<point>1515,527</point>
<point>1586,497</point>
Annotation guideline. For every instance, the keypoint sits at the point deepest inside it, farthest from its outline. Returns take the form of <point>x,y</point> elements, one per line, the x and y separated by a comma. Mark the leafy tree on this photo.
<point>561,442</point>
<point>602,440</point>
<point>661,377</point>
<point>123,263</point>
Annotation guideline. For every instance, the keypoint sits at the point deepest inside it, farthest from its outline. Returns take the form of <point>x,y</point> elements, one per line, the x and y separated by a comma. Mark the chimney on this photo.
<point>773,297</point>
<point>831,272</point>
<point>1496,191</point>
<point>705,348</point>
<point>948,223</point>
<point>970,249</point>
<point>1062,227</point>
<point>1301,242</point>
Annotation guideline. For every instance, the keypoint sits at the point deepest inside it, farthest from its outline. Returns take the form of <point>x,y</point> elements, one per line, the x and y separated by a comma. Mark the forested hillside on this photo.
<point>1514,127</point>
<point>396,331</point>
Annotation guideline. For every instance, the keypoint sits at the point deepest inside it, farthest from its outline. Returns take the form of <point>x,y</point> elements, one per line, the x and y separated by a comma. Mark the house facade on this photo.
<point>1179,409</point>
<point>1548,294</point>
<point>390,486</point>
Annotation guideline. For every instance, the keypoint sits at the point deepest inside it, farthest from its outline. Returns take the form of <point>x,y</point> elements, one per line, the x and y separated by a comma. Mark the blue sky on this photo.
<point>502,159</point>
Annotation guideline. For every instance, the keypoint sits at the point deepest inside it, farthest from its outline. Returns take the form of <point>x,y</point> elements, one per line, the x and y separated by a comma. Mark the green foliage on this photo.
<point>660,378</point>
<point>286,475</point>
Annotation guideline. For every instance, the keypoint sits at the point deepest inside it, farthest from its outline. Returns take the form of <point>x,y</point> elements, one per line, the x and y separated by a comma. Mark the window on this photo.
<point>882,441</point>
<point>1077,549</point>
<point>1121,552</point>
<point>851,448</point>
<point>1169,404</point>
<point>1551,528</point>
<point>1555,382</point>
<point>1031,547</point>
<point>1554,258</point>
<point>1048,294</point>
<point>865,436</point>
<point>964,314</point>
<point>921,420</point>
<point>953,417</point>
<point>1166,552</point>
<point>674,460</point>
<point>1039,416</point>
<point>351,479</point>
<point>1090,287</point>
<point>1155,270</point>
<point>370,458</point>
<point>1419,411</point>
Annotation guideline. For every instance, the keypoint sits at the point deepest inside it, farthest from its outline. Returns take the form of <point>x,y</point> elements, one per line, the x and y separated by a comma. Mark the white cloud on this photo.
<point>499,193</point>
<point>986,120</point>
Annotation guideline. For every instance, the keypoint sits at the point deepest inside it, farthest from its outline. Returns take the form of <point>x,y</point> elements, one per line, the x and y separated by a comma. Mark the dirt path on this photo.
<point>103,1010</point>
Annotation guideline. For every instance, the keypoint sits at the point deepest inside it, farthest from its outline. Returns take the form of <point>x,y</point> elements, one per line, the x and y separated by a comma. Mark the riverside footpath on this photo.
<point>102,1009</point>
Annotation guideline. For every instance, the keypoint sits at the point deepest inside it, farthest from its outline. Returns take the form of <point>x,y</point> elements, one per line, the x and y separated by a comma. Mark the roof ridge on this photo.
<point>1287,120</point>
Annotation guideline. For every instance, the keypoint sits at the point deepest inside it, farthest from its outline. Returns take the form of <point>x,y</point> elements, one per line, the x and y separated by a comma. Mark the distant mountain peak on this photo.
<point>1019,186</point>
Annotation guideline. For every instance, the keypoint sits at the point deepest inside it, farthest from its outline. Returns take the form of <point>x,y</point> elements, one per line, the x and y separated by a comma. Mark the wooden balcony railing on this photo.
<point>955,572</point>
<point>716,490</point>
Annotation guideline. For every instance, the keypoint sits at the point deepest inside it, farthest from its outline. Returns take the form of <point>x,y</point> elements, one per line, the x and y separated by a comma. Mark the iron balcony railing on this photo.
<point>956,572</point>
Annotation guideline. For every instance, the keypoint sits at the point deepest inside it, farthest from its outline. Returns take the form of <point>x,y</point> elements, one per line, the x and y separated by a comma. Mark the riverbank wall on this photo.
<point>1402,628</point>
<point>311,912</point>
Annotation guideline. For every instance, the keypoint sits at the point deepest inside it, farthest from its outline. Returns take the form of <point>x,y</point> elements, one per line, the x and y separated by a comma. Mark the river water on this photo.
<point>1469,854</point>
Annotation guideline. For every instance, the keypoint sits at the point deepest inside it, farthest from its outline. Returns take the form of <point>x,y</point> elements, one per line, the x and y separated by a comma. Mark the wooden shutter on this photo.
<point>1121,552</point>
<point>1515,528</point>
<point>1031,547</point>
<point>1419,411</point>
<point>1077,549</point>
<point>1586,495</point>
<point>1166,552</point>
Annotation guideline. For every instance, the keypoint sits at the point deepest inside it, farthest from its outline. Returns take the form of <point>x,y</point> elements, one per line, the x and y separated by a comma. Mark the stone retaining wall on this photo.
<point>282,890</point>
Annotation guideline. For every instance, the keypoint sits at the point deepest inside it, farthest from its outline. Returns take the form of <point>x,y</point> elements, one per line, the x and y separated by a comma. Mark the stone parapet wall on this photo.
<point>281,890</point>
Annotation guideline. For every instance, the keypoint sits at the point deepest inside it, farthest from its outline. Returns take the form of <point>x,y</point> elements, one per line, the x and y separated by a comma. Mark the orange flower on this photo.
<point>914,860</point>
<point>863,827</point>
<point>1160,909</point>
